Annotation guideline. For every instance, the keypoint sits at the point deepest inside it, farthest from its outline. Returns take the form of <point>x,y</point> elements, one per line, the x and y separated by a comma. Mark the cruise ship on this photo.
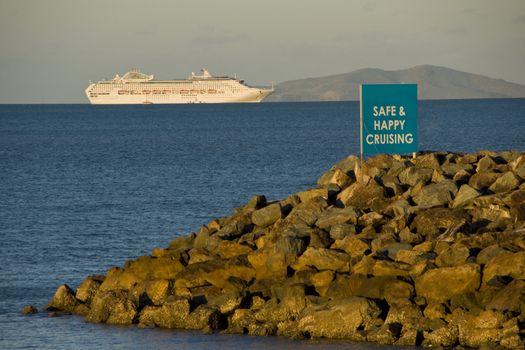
<point>135,87</point>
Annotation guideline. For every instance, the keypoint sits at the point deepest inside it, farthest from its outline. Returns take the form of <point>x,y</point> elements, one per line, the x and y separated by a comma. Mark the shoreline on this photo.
<point>426,252</point>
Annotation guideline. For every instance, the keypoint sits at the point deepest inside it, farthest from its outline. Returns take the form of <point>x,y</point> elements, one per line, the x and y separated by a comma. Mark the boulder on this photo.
<point>270,265</point>
<point>321,281</point>
<point>456,254</point>
<point>238,226</point>
<point>506,264</point>
<point>465,195</point>
<point>229,249</point>
<point>436,194</point>
<point>412,175</point>
<point>113,307</point>
<point>157,290</point>
<point>445,336</point>
<point>308,195</point>
<point>352,245</point>
<point>505,183</point>
<point>348,164</point>
<point>256,202</point>
<point>443,283</point>
<point>362,196</point>
<point>509,298</point>
<point>172,314</point>
<point>431,223</point>
<point>29,310</point>
<point>335,216</point>
<point>382,287</point>
<point>335,176</point>
<point>340,231</point>
<point>63,300</point>
<point>481,181</point>
<point>322,259</point>
<point>226,303</point>
<point>268,215</point>
<point>88,288</point>
<point>488,253</point>
<point>430,161</point>
<point>339,318</point>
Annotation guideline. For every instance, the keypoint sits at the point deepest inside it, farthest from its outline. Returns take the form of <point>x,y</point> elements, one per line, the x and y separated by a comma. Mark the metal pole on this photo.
<point>361,130</point>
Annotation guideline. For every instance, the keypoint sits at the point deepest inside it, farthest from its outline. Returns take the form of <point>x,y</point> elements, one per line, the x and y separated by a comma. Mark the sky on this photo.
<point>50,50</point>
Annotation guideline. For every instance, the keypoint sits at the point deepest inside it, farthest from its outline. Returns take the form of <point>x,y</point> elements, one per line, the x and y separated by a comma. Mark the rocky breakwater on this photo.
<point>427,251</point>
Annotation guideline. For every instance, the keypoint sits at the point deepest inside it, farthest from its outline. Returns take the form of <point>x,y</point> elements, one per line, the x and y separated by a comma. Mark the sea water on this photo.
<point>84,188</point>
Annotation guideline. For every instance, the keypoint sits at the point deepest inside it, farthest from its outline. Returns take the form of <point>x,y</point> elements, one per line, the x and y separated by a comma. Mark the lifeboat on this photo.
<point>164,92</point>
<point>156,92</point>
<point>135,92</point>
<point>146,92</point>
<point>184,92</point>
<point>212,91</point>
<point>123,92</point>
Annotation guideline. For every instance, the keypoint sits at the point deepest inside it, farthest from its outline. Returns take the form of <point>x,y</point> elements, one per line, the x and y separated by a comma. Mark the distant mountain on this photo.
<point>433,83</point>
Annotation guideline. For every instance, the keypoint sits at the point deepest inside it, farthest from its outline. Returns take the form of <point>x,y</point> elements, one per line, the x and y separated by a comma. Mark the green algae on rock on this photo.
<point>426,251</point>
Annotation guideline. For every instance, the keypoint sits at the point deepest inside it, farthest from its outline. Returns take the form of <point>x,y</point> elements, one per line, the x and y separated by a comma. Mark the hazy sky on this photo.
<point>49,50</point>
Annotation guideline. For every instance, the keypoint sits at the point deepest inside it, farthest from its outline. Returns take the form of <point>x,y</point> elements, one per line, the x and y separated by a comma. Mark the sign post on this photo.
<point>388,118</point>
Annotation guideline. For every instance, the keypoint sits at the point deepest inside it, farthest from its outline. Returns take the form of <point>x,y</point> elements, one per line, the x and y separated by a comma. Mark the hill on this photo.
<point>433,83</point>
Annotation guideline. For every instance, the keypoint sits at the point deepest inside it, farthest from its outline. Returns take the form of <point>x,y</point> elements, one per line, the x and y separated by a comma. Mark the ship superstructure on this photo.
<point>135,87</point>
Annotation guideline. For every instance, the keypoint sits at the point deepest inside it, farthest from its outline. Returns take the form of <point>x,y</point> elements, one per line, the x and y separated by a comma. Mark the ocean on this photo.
<point>84,188</point>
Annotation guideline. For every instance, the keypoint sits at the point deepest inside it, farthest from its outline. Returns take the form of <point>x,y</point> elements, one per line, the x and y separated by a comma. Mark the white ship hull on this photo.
<point>137,88</point>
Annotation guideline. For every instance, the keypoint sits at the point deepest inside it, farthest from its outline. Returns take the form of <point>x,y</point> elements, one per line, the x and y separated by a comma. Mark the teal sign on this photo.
<point>388,118</point>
